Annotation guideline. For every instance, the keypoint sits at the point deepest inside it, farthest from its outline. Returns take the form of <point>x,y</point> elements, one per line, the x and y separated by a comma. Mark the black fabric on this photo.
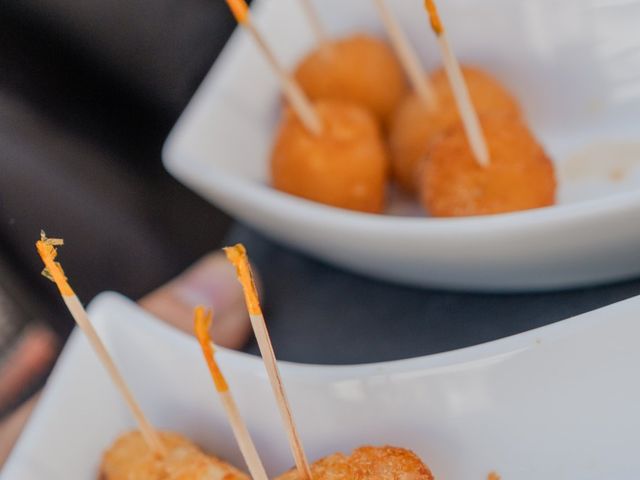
<point>320,314</point>
<point>155,50</point>
<point>82,122</point>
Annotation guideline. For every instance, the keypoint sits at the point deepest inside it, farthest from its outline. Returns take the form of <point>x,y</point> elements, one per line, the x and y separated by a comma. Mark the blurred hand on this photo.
<point>210,282</point>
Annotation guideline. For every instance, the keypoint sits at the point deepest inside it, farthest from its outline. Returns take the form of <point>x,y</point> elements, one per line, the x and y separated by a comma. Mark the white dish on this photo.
<point>573,65</point>
<point>560,402</point>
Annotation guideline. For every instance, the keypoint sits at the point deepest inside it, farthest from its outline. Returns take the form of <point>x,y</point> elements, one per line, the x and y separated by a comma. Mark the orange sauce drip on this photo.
<point>48,253</point>
<point>237,255</point>
<point>202,322</point>
<point>436,24</point>
<point>239,9</point>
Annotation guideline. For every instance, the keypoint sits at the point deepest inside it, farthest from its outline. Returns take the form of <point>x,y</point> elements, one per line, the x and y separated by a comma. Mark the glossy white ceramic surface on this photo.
<point>573,65</point>
<point>560,402</point>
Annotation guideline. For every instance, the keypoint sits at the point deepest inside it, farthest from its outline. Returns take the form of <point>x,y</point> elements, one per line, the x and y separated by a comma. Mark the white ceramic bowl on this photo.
<point>560,402</point>
<point>575,68</point>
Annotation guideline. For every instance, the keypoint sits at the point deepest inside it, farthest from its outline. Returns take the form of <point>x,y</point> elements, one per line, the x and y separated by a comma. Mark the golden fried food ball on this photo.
<point>345,165</point>
<point>519,176</point>
<point>487,93</point>
<point>368,463</point>
<point>360,69</point>
<point>129,458</point>
<point>414,127</point>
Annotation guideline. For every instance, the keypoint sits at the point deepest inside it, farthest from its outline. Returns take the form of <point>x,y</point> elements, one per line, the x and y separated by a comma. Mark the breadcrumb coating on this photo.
<point>345,166</point>
<point>519,176</point>
<point>368,463</point>
<point>360,69</point>
<point>415,128</point>
<point>129,458</point>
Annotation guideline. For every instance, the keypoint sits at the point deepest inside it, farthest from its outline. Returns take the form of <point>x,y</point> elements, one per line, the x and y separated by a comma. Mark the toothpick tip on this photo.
<point>202,322</point>
<point>238,257</point>
<point>48,252</point>
<point>239,9</point>
<point>434,17</point>
<point>235,252</point>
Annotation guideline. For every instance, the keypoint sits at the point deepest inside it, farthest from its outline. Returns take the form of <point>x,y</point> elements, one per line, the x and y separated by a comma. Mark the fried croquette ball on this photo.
<point>345,165</point>
<point>360,69</point>
<point>129,458</point>
<point>368,463</point>
<point>415,127</point>
<point>519,176</point>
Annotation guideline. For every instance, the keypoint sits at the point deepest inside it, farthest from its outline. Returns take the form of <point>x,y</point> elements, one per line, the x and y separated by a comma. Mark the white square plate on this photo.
<point>560,402</point>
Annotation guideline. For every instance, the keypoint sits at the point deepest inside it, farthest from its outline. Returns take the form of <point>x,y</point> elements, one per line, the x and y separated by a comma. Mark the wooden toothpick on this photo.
<point>298,100</point>
<point>237,255</point>
<point>467,111</point>
<point>202,323</point>
<point>47,250</point>
<point>407,56</point>
<point>316,25</point>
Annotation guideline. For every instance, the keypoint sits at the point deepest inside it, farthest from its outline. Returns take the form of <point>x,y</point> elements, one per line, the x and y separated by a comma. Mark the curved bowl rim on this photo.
<point>492,351</point>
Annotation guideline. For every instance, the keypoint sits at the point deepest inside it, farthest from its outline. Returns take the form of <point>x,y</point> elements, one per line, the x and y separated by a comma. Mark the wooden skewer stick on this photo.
<point>407,55</point>
<point>459,88</point>
<point>298,100</point>
<point>47,250</point>
<point>316,25</point>
<point>202,323</point>
<point>237,255</point>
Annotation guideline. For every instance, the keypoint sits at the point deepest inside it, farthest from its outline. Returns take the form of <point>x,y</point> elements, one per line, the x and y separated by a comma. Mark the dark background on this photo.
<point>88,91</point>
